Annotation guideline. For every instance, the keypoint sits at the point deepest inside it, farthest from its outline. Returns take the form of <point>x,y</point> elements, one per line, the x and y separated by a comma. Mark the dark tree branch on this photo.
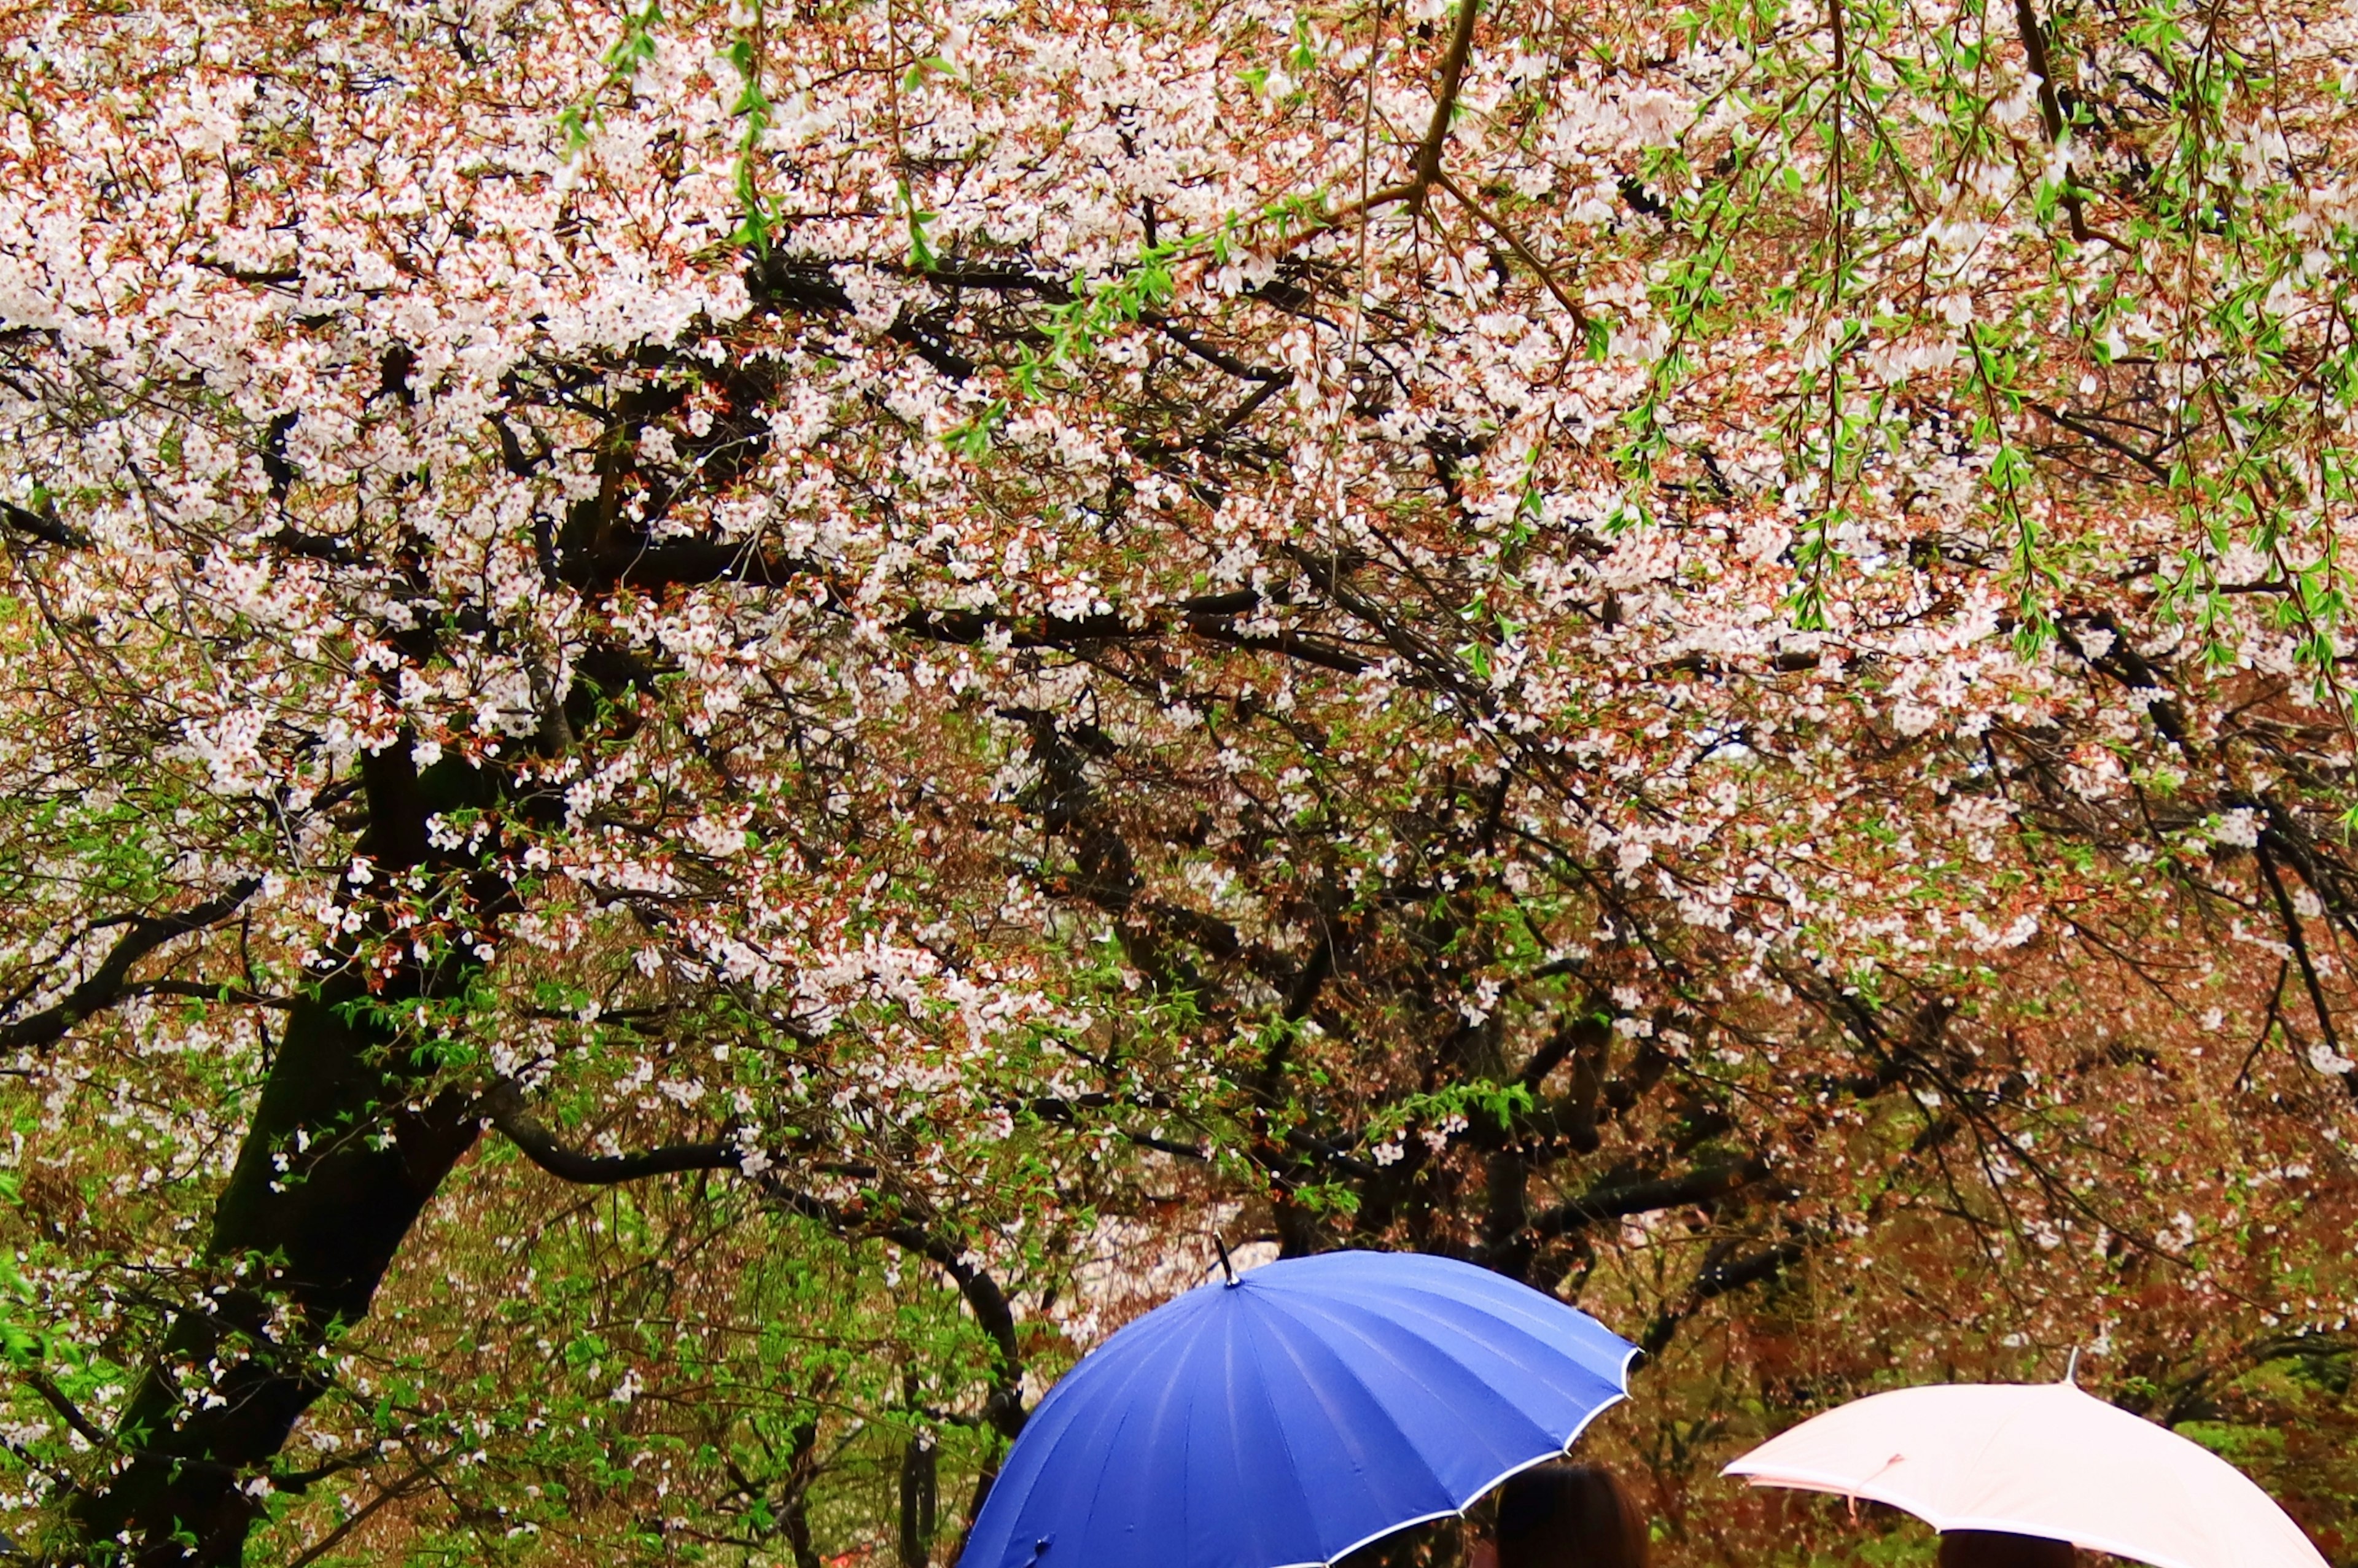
<point>966,627</point>
<point>2299,940</point>
<point>55,1398</point>
<point>1620,1200</point>
<point>1580,1034</point>
<point>503,1108</point>
<point>1445,103</point>
<point>397,1490</point>
<point>1719,1276</point>
<point>111,982</point>
<point>198,990</point>
<point>47,529</point>
<point>2117,448</point>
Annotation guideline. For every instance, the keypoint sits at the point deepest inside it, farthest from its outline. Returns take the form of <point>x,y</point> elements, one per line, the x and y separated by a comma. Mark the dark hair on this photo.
<point>1569,1516</point>
<point>2000,1548</point>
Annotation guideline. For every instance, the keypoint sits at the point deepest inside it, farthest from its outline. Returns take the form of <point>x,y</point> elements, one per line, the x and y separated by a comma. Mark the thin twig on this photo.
<point>1427,167</point>
<point>1491,221</point>
<point>393,1493</point>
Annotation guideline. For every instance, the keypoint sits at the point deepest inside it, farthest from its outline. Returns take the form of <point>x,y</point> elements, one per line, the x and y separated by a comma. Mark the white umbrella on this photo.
<point>2038,1459</point>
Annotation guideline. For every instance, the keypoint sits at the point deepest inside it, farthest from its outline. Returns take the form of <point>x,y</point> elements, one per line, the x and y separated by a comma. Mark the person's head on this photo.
<point>1569,1516</point>
<point>1998,1549</point>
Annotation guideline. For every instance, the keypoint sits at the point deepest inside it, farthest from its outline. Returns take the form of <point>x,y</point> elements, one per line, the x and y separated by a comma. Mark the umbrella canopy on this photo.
<point>1303,1410</point>
<point>2038,1459</point>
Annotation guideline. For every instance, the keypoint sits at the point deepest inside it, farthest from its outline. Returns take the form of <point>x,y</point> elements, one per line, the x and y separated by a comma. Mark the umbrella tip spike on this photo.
<point>2071,1367</point>
<point>1225,1268</point>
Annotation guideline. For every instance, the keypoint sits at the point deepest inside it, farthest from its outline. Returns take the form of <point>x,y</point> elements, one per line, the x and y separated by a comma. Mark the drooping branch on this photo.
<point>2050,112</point>
<point>2298,941</point>
<point>111,982</point>
<point>993,1313</point>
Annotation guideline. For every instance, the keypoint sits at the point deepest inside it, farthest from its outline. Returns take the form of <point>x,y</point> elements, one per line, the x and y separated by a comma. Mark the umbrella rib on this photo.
<point>1458,1504</point>
<point>1115,1400</point>
<point>1411,1374</point>
<point>1440,1349</point>
<point>1260,1384</point>
<point>1527,1316</point>
<point>1531,1329</point>
<point>1374,1400</point>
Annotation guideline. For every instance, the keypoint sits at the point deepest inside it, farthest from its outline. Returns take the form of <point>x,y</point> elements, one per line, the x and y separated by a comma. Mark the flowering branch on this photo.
<point>111,981</point>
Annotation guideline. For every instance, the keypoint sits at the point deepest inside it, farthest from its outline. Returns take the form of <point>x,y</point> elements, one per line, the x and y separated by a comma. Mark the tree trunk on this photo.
<point>340,1160</point>
<point>920,1491</point>
<point>797,1499</point>
<point>316,1238</point>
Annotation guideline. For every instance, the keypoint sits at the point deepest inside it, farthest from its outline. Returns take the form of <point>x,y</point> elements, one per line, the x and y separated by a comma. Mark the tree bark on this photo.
<point>340,1160</point>
<point>797,1512</point>
<point>920,1492</point>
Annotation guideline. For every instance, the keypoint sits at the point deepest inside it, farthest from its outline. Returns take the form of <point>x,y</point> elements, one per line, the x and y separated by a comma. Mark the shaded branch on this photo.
<point>1721,1275</point>
<point>47,529</point>
<point>111,982</point>
<point>503,1108</point>
<point>1620,1200</point>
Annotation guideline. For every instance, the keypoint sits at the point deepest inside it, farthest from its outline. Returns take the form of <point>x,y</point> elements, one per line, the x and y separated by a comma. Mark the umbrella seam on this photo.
<point>1459,1503</point>
<point>1414,1376</point>
<point>1294,1460</point>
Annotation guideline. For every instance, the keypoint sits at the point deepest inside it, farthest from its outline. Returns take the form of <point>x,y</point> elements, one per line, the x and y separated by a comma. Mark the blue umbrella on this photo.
<point>1296,1412</point>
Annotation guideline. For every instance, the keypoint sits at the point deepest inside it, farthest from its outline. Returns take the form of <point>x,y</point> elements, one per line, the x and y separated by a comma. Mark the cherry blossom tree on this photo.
<point>722,721</point>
